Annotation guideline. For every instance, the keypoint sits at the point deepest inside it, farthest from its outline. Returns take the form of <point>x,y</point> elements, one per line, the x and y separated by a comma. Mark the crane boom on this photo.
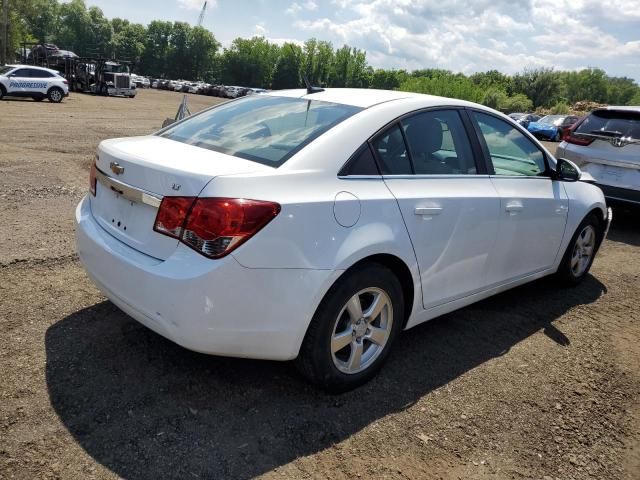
<point>201,17</point>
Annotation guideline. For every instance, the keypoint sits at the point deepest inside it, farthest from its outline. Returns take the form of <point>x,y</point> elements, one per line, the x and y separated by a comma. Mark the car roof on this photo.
<point>623,108</point>
<point>365,97</point>
<point>50,70</point>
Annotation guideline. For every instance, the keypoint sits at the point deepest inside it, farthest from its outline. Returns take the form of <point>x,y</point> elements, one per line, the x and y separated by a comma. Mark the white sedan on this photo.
<point>316,225</point>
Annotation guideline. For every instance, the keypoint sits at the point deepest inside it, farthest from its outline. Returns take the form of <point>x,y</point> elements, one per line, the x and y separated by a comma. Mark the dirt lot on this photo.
<point>535,383</point>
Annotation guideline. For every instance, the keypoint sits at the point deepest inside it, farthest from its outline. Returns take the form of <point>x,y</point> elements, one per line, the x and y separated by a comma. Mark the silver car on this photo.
<point>606,144</point>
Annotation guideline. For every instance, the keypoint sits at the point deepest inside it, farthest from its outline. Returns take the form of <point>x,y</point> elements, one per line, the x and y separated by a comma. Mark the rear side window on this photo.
<point>438,144</point>
<point>392,152</point>
<point>33,73</point>
<point>616,123</point>
<point>362,163</point>
<point>265,129</point>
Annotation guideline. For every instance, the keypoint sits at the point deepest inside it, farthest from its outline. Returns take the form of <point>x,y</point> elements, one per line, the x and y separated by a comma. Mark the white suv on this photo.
<point>606,144</point>
<point>34,82</point>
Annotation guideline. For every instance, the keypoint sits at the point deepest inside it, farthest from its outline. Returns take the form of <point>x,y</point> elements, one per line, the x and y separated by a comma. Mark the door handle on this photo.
<point>428,210</point>
<point>514,206</point>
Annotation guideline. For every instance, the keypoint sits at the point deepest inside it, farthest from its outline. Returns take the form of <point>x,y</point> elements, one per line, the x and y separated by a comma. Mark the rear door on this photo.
<point>39,80</point>
<point>533,207</point>
<point>447,201</point>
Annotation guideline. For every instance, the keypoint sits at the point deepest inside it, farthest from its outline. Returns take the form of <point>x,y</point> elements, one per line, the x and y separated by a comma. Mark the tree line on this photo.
<point>176,50</point>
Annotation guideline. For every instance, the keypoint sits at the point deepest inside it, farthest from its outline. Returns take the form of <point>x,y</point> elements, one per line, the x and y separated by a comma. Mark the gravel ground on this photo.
<point>535,383</point>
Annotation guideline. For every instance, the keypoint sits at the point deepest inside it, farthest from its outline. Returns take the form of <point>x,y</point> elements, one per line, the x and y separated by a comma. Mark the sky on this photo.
<point>459,35</point>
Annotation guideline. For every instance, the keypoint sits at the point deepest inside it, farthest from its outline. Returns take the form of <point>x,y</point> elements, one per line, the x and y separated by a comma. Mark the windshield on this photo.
<point>116,68</point>
<point>551,120</point>
<point>4,69</point>
<point>265,129</point>
<point>611,122</point>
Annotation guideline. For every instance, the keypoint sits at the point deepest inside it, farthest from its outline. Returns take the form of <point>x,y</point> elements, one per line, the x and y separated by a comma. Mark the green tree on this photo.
<point>494,98</point>
<point>178,60</point>
<point>249,62</point>
<point>202,51</point>
<point>157,47</point>
<point>318,62</point>
<point>542,86</point>
<point>128,43</point>
<point>286,72</point>
<point>516,103</point>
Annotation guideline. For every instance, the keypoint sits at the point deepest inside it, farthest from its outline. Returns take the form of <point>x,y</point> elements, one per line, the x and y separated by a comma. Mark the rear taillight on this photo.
<point>171,215</point>
<point>576,139</point>
<point>92,179</point>
<point>213,227</point>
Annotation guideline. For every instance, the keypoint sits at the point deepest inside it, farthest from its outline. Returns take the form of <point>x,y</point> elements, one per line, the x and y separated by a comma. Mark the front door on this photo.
<point>533,207</point>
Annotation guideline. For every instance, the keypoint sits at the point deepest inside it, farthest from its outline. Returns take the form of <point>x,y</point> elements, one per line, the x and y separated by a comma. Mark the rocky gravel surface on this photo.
<point>537,383</point>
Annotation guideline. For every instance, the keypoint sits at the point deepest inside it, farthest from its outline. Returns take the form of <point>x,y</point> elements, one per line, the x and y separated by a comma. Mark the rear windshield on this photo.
<point>616,123</point>
<point>551,120</point>
<point>265,129</point>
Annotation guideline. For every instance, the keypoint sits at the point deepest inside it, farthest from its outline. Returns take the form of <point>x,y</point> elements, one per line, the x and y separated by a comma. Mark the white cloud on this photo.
<point>296,7</point>
<point>195,4</point>
<point>476,35</point>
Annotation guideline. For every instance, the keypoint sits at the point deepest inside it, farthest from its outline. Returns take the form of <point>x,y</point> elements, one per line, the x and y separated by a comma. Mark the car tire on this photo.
<point>55,95</point>
<point>581,251</point>
<point>2,92</point>
<point>341,352</point>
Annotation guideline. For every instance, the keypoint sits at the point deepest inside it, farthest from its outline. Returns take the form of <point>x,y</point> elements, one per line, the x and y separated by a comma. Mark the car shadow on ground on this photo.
<point>147,408</point>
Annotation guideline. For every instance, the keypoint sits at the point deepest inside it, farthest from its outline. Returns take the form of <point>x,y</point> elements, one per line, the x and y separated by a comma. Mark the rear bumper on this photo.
<point>210,306</point>
<point>618,194</point>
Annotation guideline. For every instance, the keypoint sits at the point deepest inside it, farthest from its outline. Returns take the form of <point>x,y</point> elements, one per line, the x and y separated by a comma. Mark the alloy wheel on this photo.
<point>583,250</point>
<point>361,330</point>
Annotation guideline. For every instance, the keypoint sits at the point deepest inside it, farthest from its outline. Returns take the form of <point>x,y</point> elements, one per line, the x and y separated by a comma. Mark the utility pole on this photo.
<point>5,32</point>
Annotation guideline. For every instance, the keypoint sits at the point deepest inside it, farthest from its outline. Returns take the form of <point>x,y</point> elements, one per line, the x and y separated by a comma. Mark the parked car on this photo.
<point>524,119</point>
<point>316,225</point>
<point>552,127</point>
<point>606,144</point>
<point>30,81</point>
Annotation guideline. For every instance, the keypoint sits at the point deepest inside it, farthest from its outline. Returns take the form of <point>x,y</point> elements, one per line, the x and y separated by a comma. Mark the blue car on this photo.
<point>551,127</point>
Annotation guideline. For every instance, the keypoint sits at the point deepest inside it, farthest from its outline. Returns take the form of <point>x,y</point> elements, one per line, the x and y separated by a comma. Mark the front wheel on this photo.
<point>353,329</point>
<point>580,252</point>
<point>55,95</point>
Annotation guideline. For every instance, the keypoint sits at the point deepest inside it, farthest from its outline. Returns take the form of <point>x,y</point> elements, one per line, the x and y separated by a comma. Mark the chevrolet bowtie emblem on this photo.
<point>116,168</point>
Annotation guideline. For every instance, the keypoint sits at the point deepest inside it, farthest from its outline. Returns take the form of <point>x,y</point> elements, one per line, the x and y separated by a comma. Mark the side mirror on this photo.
<point>567,171</point>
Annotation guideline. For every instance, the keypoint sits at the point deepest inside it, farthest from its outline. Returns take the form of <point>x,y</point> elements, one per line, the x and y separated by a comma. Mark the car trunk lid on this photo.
<point>135,173</point>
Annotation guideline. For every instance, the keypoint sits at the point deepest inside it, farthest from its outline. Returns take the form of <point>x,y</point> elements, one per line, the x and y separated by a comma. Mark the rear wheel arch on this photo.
<point>400,270</point>
<point>3,90</point>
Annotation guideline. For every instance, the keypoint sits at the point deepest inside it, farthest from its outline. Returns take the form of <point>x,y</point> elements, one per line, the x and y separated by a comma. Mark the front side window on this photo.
<point>264,129</point>
<point>21,72</point>
<point>511,152</point>
<point>438,144</point>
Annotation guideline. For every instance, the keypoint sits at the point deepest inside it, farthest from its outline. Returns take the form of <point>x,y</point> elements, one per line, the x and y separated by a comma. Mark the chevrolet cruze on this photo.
<point>316,225</point>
